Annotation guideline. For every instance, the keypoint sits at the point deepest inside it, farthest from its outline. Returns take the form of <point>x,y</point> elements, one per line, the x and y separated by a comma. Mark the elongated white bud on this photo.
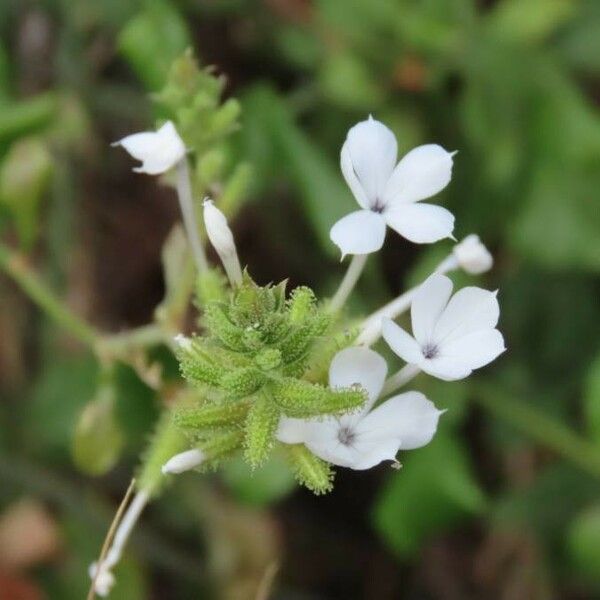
<point>183,461</point>
<point>221,238</point>
<point>473,256</point>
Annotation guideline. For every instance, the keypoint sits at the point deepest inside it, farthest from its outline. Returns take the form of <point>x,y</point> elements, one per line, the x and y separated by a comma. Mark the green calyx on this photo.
<point>250,366</point>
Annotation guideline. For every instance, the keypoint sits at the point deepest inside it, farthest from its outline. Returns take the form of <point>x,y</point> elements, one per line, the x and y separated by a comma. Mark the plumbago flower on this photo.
<point>362,439</point>
<point>452,336</point>
<point>389,193</point>
<point>159,150</point>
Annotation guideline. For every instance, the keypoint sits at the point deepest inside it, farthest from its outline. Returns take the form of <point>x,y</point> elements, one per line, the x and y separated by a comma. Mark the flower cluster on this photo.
<point>272,371</point>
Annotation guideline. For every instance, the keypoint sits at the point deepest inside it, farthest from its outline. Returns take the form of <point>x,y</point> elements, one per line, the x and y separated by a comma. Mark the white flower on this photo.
<point>389,193</point>
<point>363,439</point>
<point>183,342</point>
<point>472,256</point>
<point>184,461</point>
<point>452,336</point>
<point>221,237</point>
<point>159,150</point>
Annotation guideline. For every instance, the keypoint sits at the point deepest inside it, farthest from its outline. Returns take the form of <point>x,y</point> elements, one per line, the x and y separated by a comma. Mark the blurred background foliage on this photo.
<point>505,503</point>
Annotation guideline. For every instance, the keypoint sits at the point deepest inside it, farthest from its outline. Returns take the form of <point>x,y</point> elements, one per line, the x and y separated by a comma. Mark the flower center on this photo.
<point>378,206</point>
<point>346,436</point>
<point>430,351</point>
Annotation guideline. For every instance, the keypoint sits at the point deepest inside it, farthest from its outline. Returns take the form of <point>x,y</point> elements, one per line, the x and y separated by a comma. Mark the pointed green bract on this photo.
<point>209,416</point>
<point>301,399</point>
<point>260,428</point>
<point>309,470</point>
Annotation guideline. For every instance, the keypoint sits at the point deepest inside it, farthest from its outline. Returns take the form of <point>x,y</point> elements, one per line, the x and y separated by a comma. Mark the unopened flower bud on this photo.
<point>473,256</point>
<point>221,238</point>
<point>183,461</point>
<point>104,580</point>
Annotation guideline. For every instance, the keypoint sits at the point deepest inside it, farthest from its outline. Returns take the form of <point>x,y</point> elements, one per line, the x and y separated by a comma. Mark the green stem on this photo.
<point>540,427</point>
<point>15,266</point>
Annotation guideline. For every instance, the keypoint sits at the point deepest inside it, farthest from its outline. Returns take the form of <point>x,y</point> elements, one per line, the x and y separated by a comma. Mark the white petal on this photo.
<point>422,173</point>
<point>420,223</point>
<point>360,232</point>
<point>358,365</point>
<point>159,151</point>
<point>476,349</point>
<point>184,461</point>
<point>469,310</point>
<point>351,179</point>
<point>404,345</point>
<point>427,305</point>
<point>371,151</point>
<point>292,431</point>
<point>446,368</point>
<point>371,454</point>
<point>473,256</point>
<point>335,452</point>
<point>411,417</point>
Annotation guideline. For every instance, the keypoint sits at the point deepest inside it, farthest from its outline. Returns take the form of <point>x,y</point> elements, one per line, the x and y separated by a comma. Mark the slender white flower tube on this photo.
<point>452,336</point>
<point>472,256</point>
<point>159,150</point>
<point>101,573</point>
<point>184,461</point>
<point>389,194</point>
<point>363,439</point>
<point>221,237</point>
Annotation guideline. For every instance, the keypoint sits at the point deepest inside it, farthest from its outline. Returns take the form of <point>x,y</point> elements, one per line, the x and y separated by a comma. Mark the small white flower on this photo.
<point>221,237</point>
<point>159,150</point>
<point>452,336</point>
<point>184,461</point>
<point>473,256</point>
<point>363,439</point>
<point>389,193</point>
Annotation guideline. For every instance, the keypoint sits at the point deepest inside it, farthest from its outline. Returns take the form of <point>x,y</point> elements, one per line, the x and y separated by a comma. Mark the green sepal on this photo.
<point>309,470</point>
<point>217,322</point>
<point>220,445</point>
<point>242,382</point>
<point>260,428</point>
<point>211,415</point>
<point>200,365</point>
<point>302,400</point>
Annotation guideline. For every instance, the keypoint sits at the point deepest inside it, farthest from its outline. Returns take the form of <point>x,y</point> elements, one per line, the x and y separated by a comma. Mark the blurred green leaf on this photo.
<point>268,484</point>
<point>24,178</point>
<point>529,21</point>
<point>434,492</point>
<point>27,116</point>
<point>98,440</point>
<point>59,394</point>
<point>559,227</point>
<point>583,543</point>
<point>152,40</point>
<point>591,400</point>
<point>350,83</point>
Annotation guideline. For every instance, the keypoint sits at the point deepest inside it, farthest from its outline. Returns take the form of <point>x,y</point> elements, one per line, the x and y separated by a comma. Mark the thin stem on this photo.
<point>400,378</point>
<point>371,328</point>
<point>355,268</point>
<point>540,427</point>
<point>109,536</point>
<point>121,343</point>
<point>15,266</point>
<point>186,202</point>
